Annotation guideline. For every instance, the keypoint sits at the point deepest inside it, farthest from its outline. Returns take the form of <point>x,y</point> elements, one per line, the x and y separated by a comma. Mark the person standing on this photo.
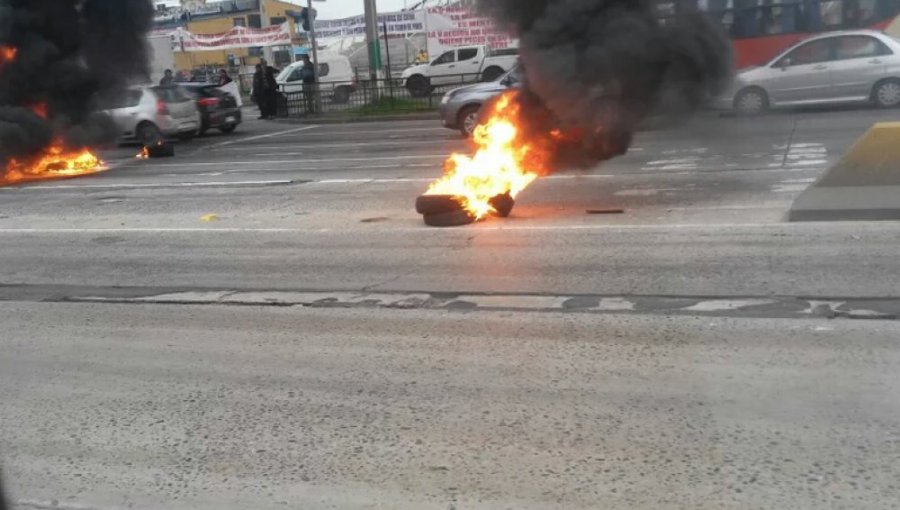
<point>271,90</point>
<point>259,91</point>
<point>223,78</point>
<point>308,72</point>
<point>168,79</point>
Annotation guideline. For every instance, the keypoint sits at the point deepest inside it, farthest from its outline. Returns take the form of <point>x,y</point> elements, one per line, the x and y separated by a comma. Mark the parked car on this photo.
<point>479,62</point>
<point>860,66</point>
<point>150,114</point>
<point>218,109</point>
<point>460,107</point>
<point>336,78</point>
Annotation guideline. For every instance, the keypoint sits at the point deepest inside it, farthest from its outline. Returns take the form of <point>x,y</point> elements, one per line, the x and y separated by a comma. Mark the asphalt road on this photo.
<point>264,322</point>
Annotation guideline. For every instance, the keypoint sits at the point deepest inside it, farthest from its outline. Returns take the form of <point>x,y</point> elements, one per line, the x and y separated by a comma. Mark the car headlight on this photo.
<point>446,99</point>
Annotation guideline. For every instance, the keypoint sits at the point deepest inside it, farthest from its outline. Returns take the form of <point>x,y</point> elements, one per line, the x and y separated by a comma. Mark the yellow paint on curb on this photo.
<point>874,160</point>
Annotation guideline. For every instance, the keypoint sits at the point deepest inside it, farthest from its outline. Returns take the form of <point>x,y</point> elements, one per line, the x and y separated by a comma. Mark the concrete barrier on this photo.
<point>863,185</point>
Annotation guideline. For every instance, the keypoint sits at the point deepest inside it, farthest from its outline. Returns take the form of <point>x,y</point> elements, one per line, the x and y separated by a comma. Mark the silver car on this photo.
<point>150,114</point>
<point>860,66</point>
<point>460,107</point>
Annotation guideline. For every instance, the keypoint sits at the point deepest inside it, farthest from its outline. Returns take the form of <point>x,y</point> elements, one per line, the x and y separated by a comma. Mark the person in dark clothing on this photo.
<point>308,72</point>
<point>168,79</point>
<point>259,91</point>
<point>271,90</point>
<point>223,78</point>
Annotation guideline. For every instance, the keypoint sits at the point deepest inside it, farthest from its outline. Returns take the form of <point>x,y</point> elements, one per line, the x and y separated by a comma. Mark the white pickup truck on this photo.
<point>459,65</point>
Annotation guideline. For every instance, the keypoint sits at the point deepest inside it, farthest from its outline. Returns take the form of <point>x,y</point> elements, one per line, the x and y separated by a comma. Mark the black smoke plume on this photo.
<point>70,55</point>
<point>598,68</point>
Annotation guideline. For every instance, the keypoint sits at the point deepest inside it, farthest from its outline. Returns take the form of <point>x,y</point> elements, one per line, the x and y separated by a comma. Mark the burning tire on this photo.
<point>437,204</point>
<point>149,135</point>
<point>455,218</point>
<point>165,150</point>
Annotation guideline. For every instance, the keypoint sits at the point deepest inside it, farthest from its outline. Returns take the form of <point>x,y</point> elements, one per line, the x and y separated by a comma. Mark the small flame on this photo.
<point>56,162</point>
<point>7,54</point>
<point>40,109</point>
<point>504,162</point>
<point>144,154</point>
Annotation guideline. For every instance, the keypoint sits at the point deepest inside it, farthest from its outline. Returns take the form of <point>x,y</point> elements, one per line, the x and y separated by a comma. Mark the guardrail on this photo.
<point>368,97</point>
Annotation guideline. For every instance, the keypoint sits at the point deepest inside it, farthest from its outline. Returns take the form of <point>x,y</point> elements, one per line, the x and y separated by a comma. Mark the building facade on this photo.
<point>215,17</point>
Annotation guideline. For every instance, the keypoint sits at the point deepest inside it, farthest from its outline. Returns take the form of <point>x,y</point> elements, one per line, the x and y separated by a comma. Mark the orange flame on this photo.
<point>57,162</point>
<point>504,162</point>
<point>144,154</point>
<point>40,109</point>
<point>7,54</point>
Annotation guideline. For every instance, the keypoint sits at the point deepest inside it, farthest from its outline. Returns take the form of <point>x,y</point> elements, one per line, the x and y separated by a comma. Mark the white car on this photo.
<point>150,114</point>
<point>460,65</point>
<point>859,66</point>
<point>336,77</point>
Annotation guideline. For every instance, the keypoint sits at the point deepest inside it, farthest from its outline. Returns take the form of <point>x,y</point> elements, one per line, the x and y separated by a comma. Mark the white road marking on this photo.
<point>615,305</point>
<point>423,229</point>
<point>789,188</point>
<point>257,137</point>
<point>149,185</point>
<point>721,305</point>
<point>288,161</point>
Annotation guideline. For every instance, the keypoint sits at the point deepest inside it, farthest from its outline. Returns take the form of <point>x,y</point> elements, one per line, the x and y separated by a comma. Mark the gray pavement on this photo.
<point>264,322</point>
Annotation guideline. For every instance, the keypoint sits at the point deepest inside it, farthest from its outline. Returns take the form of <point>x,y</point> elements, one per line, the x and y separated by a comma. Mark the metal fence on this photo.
<point>368,97</point>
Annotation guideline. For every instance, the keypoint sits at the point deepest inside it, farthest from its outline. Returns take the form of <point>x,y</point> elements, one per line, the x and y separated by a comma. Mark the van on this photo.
<point>336,77</point>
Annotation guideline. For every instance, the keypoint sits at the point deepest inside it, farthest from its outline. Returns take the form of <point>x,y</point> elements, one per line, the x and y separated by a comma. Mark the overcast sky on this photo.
<point>331,9</point>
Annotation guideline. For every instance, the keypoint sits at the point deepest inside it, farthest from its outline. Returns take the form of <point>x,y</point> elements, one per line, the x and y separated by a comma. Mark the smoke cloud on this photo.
<point>600,67</point>
<point>70,55</point>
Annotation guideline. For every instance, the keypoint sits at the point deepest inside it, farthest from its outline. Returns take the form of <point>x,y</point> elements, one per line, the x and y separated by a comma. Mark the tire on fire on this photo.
<point>455,218</point>
<point>437,204</point>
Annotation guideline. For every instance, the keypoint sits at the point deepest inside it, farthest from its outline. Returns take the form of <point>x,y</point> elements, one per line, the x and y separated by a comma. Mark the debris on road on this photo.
<point>606,210</point>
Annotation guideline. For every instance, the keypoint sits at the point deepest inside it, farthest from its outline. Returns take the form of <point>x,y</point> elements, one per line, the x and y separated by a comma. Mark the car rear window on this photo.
<point>172,94</point>
<point>128,99</point>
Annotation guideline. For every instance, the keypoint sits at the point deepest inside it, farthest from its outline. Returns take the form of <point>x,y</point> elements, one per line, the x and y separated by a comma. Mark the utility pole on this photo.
<point>372,40</point>
<point>315,53</point>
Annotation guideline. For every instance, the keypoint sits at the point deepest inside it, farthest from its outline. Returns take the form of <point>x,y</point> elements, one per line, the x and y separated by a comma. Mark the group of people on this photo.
<point>265,87</point>
<point>265,90</point>
<point>169,78</point>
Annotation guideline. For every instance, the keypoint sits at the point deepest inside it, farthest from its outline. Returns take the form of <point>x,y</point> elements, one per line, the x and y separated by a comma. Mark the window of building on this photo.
<point>240,22</point>
<point>255,51</point>
<point>254,21</point>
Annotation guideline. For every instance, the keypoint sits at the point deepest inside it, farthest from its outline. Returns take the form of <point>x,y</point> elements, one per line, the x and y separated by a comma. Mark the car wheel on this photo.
<point>228,128</point>
<point>468,120</point>
<point>418,86</point>
<point>491,74</point>
<point>449,219</point>
<point>887,94</point>
<point>149,135</point>
<point>751,101</point>
<point>341,95</point>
